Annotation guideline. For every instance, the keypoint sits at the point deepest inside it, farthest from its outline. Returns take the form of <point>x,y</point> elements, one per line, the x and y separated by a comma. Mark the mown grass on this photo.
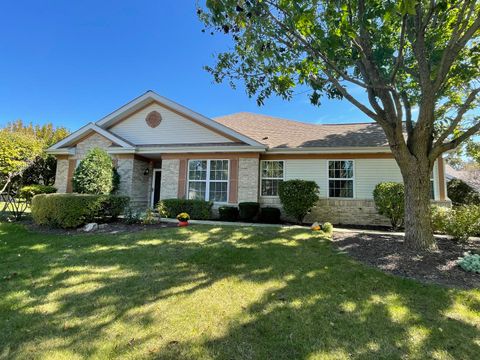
<point>218,292</point>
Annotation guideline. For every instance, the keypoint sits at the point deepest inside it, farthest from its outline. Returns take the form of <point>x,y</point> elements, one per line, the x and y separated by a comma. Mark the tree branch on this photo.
<point>461,111</point>
<point>438,150</point>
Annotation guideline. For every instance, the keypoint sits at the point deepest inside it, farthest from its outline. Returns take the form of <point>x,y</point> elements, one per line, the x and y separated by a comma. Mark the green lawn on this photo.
<point>211,292</point>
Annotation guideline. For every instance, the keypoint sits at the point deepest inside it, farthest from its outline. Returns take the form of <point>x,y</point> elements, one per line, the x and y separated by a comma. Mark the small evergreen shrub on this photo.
<point>327,228</point>
<point>73,210</point>
<point>270,215</point>
<point>390,202</point>
<point>248,210</point>
<point>228,213</point>
<point>198,209</point>
<point>461,193</point>
<point>298,197</point>
<point>95,174</point>
<point>470,262</point>
<point>29,191</point>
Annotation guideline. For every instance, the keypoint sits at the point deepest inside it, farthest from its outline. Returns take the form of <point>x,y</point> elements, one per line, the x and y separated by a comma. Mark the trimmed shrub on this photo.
<point>73,210</point>
<point>29,191</point>
<point>198,209</point>
<point>298,197</point>
<point>95,174</point>
<point>248,210</point>
<point>461,222</point>
<point>270,215</point>
<point>470,262</point>
<point>228,213</point>
<point>389,200</point>
<point>461,193</point>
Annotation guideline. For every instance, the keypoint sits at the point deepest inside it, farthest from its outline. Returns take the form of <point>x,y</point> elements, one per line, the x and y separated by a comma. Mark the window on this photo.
<point>340,179</point>
<point>272,175</point>
<point>208,180</point>
<point>432,187</point>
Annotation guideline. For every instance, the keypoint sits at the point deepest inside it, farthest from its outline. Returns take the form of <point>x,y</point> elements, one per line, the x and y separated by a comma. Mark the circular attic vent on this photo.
<point>153,119</point>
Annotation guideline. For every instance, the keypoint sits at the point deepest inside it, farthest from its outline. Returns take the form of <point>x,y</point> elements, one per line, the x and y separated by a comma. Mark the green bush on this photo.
<point>461,222</point>
<point>440,218</point>
<point>389,200</point>
<point>228,213</point>
<point>470,262</point>
<point>248,210</point>
<point>95,174</point>
<point>29,191</point>
<point>270,215</point>
<point>197,209</point>
<point>461,193</point>
<point>327,228</point>
<point>298,197</point>
<point>73,210</point>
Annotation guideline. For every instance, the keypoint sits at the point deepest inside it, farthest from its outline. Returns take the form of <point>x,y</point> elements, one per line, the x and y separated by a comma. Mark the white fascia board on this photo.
<point>330,150</point>
<point>91,127</point>
<point>63,151</point>
<point>152,96</point>
<point>199,149</point>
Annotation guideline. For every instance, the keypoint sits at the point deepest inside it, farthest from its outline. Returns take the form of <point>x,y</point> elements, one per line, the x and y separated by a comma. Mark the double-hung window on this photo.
<point>208,180</point>
<point>272,175</point>
<point>340,179</point>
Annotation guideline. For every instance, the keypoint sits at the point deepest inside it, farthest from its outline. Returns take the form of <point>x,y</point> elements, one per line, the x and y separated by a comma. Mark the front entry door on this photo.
<point>157,177</point>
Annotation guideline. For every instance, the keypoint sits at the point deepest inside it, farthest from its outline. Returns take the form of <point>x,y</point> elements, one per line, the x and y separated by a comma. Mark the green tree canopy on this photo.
<point>17,152</point>
<point>404,55</point>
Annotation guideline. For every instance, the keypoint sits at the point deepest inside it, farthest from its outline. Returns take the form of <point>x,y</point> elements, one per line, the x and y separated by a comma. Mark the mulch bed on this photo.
<point>108,228</point>
<point>387,253</point>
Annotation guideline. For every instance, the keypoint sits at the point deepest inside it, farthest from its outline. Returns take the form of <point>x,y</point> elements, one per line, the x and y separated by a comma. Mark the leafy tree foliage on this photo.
<point>42,169</point>
<point>95,174</point>
<point>402,54</point>
<point>17,152</point>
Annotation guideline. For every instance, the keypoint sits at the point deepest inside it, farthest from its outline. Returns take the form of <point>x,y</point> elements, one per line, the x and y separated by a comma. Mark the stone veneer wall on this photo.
<point>61,175</point>
<point>169,181</point>
<point>93,141</point>
<point>342,211</point>
<point>248,171</point>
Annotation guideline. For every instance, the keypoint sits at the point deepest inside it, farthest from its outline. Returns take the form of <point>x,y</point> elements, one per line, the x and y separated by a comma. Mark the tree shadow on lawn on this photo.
<point>142,295</point>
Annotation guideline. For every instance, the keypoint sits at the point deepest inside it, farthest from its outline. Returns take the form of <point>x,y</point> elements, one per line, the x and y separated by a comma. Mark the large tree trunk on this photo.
<point>418,226</point>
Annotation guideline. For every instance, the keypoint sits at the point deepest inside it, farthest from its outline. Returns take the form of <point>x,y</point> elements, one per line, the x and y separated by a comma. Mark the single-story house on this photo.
<point>164,150</point>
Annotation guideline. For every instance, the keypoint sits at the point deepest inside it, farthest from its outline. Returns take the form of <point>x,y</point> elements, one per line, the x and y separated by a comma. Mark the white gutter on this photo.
<point>329,150</point>
<point>187,149</point>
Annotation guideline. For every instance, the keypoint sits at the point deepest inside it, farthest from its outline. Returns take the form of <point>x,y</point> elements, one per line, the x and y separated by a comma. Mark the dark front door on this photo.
<point>157,176</point>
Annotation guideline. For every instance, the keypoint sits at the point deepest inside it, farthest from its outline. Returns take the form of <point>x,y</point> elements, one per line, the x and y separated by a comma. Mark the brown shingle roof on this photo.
<point>281,133</point>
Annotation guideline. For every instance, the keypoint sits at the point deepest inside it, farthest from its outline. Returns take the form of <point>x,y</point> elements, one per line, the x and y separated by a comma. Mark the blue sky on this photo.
<point>74,62</point>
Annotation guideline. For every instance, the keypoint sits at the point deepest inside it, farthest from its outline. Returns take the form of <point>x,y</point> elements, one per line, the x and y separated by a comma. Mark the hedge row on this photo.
<point>73,210</point>
<point>29,191</point>
<point>197,209</point>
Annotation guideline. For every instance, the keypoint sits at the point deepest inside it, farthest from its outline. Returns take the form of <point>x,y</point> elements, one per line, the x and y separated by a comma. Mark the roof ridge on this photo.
<point>290,120</point>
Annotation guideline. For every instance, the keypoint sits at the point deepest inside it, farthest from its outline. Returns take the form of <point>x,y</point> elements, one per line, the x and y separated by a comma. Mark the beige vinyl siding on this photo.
<point>367,174</point>
<point>174,129</point>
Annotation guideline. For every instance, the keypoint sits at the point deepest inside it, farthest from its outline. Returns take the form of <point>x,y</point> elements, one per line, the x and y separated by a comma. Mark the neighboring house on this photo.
<point>469,176</point>
<point>164,150</point>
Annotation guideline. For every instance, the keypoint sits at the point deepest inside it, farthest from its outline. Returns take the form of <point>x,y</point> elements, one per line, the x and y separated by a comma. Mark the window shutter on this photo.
<point>233,181</point>
<point>182,178</point>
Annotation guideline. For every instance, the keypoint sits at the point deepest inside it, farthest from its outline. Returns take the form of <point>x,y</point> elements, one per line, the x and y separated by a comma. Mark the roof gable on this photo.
<point>88,129</point>
<point>151,97</point>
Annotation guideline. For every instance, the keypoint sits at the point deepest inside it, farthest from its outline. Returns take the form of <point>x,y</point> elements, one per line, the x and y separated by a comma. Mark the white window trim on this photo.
<point>270,178</point>
<point>352,178</point>
<point>207,180</point>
